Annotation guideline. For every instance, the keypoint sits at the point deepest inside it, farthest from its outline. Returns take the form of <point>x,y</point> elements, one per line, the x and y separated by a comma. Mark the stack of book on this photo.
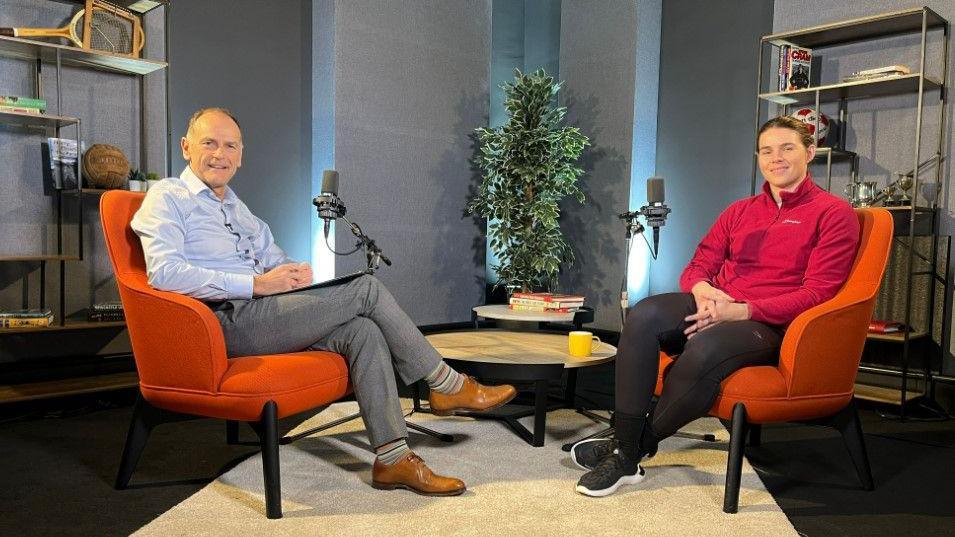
<point>106,312</point>
<point>547,302</point>
<point>30,318</point>
<point>795,65</point>
<point>878,72</point>
<point>22,105</point>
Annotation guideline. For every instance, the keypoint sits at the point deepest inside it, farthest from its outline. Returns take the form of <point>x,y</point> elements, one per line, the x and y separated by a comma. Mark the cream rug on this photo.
<point>513,488</point>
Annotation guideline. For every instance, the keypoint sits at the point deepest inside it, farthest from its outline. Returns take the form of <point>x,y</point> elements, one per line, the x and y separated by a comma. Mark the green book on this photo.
<point>24,102</point>
<point>25,314</point>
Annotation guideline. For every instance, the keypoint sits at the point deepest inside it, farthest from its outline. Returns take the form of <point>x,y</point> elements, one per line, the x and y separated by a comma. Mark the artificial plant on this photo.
<point>528,166</point>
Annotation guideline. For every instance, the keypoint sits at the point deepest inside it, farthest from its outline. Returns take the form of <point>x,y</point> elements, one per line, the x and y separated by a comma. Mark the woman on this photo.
<point>767,259</point>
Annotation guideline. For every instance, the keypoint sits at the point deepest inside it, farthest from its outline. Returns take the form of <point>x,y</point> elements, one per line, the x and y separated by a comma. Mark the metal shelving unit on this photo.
<point>40,54</point>
<point>911,221</point>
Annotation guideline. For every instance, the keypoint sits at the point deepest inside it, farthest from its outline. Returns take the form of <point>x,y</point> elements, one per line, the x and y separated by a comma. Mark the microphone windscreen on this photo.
<point>655,190</point>
<point>330,182</point>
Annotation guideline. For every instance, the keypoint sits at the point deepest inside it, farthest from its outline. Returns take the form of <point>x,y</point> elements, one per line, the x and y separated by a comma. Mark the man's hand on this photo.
<point>722,311</point>
<point>282,278</point>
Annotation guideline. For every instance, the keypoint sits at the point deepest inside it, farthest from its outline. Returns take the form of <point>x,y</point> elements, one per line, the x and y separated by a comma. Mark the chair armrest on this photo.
<point>177,340</point>
<point>822,347</point>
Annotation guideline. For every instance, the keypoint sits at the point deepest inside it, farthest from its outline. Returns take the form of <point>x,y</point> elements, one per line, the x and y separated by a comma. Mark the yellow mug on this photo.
<point>581,343</point>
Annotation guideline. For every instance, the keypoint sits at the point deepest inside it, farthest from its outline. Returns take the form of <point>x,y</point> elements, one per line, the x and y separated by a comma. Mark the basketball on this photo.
<point>808,116</point>
<point>105,166</point>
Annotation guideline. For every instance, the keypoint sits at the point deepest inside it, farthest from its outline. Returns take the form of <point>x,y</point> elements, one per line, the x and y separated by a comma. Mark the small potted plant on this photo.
<point>137,181</point>
<point>152,178</point>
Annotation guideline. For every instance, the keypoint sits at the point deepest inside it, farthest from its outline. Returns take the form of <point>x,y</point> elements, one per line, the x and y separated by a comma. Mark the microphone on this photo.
<point>328,203</point>
<point>655,211</point>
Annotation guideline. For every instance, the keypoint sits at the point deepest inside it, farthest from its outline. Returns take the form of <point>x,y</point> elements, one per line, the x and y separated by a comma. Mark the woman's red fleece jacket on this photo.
<point>780,259</point>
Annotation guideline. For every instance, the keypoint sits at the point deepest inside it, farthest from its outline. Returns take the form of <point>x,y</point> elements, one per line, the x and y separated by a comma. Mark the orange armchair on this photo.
<point>818,360</point>
<point>183,368</point>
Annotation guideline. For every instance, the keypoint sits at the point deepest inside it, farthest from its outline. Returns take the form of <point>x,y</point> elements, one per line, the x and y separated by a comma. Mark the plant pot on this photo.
<point>150,184</point>
<point>137,186</point>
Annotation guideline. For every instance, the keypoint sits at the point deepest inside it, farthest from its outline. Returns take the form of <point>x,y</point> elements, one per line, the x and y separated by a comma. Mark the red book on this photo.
<point>550,297</point>
<point>885,327</point>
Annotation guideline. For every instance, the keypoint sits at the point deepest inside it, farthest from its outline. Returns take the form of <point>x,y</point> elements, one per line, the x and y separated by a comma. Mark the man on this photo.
<point>199,239</point>
<point>767,259</point>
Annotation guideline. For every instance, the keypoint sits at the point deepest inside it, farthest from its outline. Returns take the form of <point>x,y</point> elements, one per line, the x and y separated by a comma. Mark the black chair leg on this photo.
<point>755,435</point>
<point>232,432</point>
<point>848,424</point>
<point>734,462</point>
<point>145,417</point>
<point>268,430</point>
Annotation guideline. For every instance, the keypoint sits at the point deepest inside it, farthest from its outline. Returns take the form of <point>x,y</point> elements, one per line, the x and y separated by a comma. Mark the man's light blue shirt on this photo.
<point>198,245</point>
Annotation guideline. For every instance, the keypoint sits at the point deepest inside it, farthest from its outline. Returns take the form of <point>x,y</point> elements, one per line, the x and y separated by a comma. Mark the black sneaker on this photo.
<point>610,473</point>
<point>587,453</point>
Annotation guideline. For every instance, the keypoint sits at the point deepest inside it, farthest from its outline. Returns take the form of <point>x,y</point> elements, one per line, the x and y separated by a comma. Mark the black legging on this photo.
<point>693,381</point>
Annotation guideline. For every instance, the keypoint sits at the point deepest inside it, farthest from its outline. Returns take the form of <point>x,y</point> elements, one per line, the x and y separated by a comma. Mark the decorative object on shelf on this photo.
<point>808,116</point>
<point>60,156</point>
<point>878,72</point>
<point>877,326</point>
<point>528,165</point>
<point>861,194</point>
<point>105,166</point>
<point>108,28</point>
<point>137,181</point>
<point>888,195</point>
<point>152,179</point>
<point>905,183</point>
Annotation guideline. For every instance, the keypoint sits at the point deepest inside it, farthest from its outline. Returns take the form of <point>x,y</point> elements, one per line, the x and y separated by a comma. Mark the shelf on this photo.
<point>26,49</point>
<point>33,120</point>
<point>822,153</point>
<point>70,325</point>
<point>896,337</point>
<point>40,258</point>
<point>881,394</point>
<point>136,6</point>
<point>12,393</point>
<point>886,24</point>
<point>879,87</point>
<point>88,191</point>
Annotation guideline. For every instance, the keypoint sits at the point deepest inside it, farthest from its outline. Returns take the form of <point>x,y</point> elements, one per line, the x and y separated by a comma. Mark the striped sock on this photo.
<point>393,451</point>
<point>445,380</point>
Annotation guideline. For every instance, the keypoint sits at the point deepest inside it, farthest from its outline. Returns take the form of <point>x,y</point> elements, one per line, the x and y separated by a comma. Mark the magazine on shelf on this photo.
<point>61,168</point>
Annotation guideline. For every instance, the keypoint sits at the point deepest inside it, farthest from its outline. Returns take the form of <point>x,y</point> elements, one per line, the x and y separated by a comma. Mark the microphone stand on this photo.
<point>373,253</point>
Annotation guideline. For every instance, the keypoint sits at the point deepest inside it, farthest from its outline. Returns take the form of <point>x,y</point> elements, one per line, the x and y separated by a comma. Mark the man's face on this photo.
<point>783,159</point>
<point>213,149</point>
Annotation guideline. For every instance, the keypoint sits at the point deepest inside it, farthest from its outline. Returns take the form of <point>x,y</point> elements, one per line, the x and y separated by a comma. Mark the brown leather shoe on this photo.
<point>413,474</point>
<point>472,396</point>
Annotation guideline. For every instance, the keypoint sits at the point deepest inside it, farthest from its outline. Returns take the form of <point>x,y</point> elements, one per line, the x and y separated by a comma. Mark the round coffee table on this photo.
<point>515,356</point>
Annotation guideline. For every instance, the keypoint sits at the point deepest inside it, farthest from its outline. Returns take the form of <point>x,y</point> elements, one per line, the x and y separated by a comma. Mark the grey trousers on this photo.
<point>359,320</point>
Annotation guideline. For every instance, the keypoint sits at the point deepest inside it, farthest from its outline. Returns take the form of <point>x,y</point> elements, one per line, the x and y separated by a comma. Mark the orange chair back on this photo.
<point>822,347</point>
<point>177,341</point>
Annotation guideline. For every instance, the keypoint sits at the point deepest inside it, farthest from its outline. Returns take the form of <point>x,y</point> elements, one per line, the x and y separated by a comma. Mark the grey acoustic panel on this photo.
<point>597,62</point>
<point>411,85</point>
<point>706,119</point>
<point>255,61</point>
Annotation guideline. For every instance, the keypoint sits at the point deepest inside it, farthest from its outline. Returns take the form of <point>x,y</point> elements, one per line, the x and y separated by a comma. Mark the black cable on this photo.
<point>329,246</point>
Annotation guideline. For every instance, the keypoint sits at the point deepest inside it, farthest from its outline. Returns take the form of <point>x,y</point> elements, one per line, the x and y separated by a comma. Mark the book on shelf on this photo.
<point>885,327</point>
<point>61,156</point>
<point>26,322</point>
<point>878,72</point>
<point>781,69</point>
<point>523,307</point>
<point>25,314</point>
<point>113,305</point>
<point>105,316</point>
<point>20,110</point>
<point>796,66</point>
<point>23,102</point>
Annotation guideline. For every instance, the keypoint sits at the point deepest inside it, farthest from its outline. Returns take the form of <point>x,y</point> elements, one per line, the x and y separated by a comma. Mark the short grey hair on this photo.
<point>203,111</point>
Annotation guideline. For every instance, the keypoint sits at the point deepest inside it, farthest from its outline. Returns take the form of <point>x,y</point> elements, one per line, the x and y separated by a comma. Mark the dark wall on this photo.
<point>253,58</point>
<point>707,113</point>
<point>411,84</point>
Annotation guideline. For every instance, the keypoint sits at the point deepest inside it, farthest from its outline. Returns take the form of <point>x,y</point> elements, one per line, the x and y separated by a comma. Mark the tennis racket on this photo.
<point>110,29</point>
